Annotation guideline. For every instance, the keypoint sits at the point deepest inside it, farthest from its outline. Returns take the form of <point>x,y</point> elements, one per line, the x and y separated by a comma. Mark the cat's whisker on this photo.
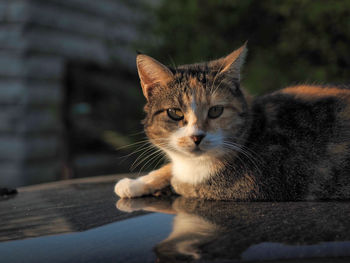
<point>144,149</point>
<point>163,158</point>
<point>217,87</point>
<point>155,155</point>
<point>132,144</point>
<point>248,150</point>
<point>255,156</point>
<point>215,77</point>
<point>226,163</point>
<point>251,158</point>
<point>244,151</point>
<point>240,160</point>
<point>138,149</point>
<point>138,161</point>
<point>154,159</point>
<point>252,154</point>
<point>142,156</point>
<point>174,67</point>
<point>136,133</point>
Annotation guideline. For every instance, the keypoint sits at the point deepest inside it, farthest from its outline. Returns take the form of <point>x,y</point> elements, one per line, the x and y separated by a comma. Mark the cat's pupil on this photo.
<point>215,111</point>
<point>175,114</point>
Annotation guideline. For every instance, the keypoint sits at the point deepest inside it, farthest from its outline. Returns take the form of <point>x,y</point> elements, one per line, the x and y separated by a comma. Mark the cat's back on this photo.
<point>317,115</point>
<point>305,107</point>
<point>307,117</point>
<point>310,110</point>
<point>303,132</point>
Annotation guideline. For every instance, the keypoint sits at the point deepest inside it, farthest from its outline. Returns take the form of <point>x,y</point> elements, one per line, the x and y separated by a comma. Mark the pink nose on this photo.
<point>197,138</point>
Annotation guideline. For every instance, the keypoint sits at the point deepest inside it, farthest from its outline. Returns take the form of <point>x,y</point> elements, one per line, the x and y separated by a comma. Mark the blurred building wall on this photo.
<point>37,39</point>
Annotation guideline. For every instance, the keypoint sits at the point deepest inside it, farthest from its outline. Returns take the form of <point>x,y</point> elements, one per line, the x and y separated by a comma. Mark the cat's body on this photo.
<point>293,144</point>
<point>298,148</point>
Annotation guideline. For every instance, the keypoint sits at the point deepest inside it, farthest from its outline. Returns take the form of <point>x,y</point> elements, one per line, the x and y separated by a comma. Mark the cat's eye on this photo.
<point>215,111</point>
<point>175,114</point>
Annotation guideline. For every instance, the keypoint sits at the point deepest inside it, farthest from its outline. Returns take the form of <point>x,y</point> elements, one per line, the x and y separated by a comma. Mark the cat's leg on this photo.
<point>148,184</point>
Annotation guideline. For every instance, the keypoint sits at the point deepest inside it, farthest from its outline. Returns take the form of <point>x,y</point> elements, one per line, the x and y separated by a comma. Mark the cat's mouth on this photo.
<point>197,151</point>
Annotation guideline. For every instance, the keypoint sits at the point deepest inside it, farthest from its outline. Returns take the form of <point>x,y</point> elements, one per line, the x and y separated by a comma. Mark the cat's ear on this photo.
<point>232,63</point>
<point>152,73</point>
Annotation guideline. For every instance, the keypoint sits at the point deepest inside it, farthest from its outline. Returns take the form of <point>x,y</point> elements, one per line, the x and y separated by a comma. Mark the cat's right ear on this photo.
<point>232,63</point>
<point>152,73</point>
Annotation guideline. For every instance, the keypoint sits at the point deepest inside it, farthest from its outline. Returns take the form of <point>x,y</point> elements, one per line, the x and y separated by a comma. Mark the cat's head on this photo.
<point>195,110</point>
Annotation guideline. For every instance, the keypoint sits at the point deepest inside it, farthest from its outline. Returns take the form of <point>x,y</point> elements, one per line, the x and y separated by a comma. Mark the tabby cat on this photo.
<point>292,144</point>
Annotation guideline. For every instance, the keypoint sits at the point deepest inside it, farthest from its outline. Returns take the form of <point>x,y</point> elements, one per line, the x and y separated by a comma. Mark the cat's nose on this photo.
<point>197,138</point>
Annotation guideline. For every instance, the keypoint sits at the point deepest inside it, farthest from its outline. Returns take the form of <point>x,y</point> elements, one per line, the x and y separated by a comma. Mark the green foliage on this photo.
<point>290,41</point>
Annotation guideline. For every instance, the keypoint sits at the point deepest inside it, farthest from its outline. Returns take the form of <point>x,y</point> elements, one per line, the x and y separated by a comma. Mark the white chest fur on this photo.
<point>192,170</point>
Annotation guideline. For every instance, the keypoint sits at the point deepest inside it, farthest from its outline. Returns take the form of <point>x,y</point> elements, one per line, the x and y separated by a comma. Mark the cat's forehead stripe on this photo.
<point>199,72</point>
<point>193,82</point>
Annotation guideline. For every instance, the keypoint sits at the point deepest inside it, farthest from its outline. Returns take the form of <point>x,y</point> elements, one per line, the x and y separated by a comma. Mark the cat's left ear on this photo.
<point>232,63</point>
<point>152,73</point>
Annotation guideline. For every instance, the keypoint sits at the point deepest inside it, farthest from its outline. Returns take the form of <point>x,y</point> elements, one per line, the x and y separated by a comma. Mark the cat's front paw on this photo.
<point>129,188</point>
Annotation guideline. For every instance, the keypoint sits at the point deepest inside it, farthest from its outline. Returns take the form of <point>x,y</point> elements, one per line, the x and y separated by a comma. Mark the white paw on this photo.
<point>128,188</point>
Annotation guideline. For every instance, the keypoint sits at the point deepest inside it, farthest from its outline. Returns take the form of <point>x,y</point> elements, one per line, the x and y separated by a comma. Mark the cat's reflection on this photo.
<point>249,231</point>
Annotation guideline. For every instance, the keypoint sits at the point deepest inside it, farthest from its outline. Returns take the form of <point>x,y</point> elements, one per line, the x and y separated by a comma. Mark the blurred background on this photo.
<point>69,94</point>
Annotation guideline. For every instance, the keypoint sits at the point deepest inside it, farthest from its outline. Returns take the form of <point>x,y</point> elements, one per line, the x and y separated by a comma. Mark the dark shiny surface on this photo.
<point>78,221</point>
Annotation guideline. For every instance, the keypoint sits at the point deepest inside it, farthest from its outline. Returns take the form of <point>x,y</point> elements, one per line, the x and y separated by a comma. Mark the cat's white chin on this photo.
<point>193,169</point>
